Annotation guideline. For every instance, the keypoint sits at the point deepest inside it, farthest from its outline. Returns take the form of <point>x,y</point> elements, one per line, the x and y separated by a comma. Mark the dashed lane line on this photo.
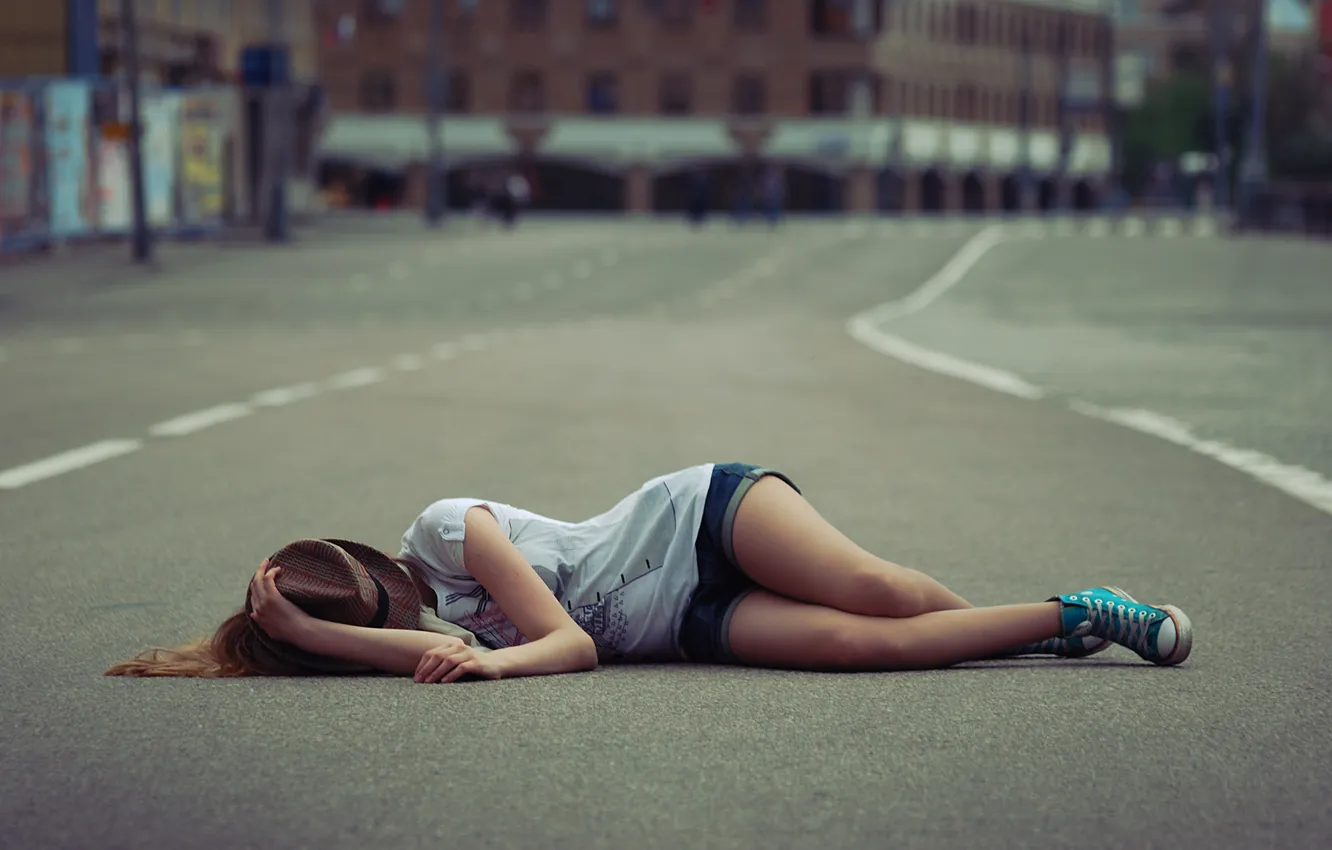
<point>68,461</point>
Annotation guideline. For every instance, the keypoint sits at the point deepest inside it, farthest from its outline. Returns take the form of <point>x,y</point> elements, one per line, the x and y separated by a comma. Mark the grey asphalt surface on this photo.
<point>660,347</point>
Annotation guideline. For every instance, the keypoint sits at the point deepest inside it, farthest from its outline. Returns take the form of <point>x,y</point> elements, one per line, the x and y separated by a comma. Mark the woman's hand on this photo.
<point>279,617</point>
<point>451,660</point>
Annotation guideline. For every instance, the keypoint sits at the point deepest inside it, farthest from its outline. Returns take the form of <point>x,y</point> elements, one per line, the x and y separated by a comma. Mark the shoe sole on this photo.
<point>1183,630</point>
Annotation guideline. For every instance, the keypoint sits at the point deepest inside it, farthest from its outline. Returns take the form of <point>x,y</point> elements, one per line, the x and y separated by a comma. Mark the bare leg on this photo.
<point>771,631</point>
<point>783,543</point>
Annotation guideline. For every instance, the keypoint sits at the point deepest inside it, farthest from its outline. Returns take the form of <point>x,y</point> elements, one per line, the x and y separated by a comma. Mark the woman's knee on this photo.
<point>886,590</point>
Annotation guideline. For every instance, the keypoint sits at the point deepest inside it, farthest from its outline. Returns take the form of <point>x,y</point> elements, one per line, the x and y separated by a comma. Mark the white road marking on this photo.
<point>189,423</point>
<point>49,467</point>
<point>280,396</point>
<point>1304,484</point>
<point>1171,228</point>
<point>1134,226</point>
<point>444,351</point>
<point>1098,228</point>
<point>408,362</point>
<point>362,377</point>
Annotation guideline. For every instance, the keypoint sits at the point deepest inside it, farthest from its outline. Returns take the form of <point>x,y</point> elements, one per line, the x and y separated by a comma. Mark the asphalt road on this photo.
<point>352,377</point>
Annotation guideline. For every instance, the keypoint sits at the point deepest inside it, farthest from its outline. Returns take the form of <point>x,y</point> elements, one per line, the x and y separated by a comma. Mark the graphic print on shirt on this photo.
<point>486,621</point>
<point>604,620</point>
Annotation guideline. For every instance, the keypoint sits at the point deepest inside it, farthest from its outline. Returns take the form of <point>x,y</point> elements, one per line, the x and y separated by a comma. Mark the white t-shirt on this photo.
<point>625,576</point>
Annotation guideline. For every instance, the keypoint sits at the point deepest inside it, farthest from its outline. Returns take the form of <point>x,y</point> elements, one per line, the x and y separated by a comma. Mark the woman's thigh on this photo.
<point>785,545</point>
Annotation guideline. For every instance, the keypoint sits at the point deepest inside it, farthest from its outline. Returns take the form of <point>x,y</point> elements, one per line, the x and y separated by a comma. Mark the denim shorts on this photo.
<point>705,627</point>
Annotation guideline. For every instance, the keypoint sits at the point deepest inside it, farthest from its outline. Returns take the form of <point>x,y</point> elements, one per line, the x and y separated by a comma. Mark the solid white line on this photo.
<point>199,420</point>
<point>866,332</point>
<point>12,479</point>
<point>279,396</point>
<point>945,279</point>
<point>1304,484</point>
<point>362,377</point>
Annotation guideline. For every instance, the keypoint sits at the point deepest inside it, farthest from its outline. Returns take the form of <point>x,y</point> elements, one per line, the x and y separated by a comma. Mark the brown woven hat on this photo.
<point>344,582</point>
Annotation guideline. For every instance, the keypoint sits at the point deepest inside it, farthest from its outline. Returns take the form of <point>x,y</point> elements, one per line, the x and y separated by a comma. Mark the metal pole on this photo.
<point>1222,24</point>
<point>1110,115</point>
<point>1253,170</point>
<point>1025,119</point>
<point>142,245</point>
<point>277,118</point>
<point>436,181</point>
<point>1065,130</point>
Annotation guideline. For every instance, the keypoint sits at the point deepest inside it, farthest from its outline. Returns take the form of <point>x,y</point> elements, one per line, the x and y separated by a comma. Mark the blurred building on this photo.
<point>614,104</point>
<point>1164,37</point>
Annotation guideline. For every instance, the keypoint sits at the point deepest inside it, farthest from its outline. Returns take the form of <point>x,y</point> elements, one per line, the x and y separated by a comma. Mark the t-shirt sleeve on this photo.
<point>435,538</point>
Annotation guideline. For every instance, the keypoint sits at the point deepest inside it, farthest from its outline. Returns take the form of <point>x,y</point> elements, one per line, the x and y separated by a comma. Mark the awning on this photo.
<point>832,143</point>
<point>619,142</point>
<point>393,141</point>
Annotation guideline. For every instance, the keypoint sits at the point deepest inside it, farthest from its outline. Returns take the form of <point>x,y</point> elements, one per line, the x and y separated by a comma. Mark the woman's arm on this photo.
<point>557,644</point>
<point>390,650</point>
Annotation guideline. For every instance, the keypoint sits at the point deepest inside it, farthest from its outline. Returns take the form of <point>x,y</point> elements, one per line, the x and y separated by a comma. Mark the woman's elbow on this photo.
<point>586,655</point>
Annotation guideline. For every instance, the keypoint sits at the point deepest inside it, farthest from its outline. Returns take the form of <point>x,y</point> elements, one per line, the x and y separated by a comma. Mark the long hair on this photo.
<point>233,650</point>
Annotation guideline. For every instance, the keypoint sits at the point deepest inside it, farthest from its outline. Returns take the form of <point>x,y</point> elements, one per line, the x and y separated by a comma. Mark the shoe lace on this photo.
<point>1126,624</point>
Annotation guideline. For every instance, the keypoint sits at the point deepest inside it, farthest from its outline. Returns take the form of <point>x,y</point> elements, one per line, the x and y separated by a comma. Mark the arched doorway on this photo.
<point>1010,194</point>
<point>725,182</point>
<point>570,185</point>
<point>973,194</point>
<point>1047,195</point>
<point>932,192</point>
<point>891,191</point>
<point>813,190</point>
<point>1084,196</point>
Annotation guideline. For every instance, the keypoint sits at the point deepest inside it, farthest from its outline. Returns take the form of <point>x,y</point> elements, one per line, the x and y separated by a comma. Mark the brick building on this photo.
<point>866,104</point>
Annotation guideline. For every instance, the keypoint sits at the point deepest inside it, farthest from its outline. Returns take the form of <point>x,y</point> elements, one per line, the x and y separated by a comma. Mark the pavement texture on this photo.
<point>558,366</point>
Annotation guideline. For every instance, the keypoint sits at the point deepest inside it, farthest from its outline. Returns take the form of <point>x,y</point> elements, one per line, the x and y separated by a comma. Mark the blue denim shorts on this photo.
<point>705,627</point>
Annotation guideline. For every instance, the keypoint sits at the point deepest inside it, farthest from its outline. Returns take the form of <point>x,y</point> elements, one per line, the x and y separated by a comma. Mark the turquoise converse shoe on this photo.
<point>1162,635</point>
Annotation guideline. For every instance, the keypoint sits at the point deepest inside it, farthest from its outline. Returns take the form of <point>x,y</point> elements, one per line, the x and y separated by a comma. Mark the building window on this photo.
<point>603,93</point>
<point>381,11</point>
<point>527,14</point>
<point>966,102</point>
<point>750,14</point>
<point>379,91</point>
<point>458,98</point>
<point>967,25</point>
<point>749,95</point>
<point>602,14</point>
<point>845,18</point>
<point>840,92</point>
<point>526,92</point>
<point>678,14</point>
<point>675,95</point>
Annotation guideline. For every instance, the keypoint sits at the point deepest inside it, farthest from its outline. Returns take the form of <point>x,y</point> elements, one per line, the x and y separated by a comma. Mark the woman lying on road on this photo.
<point>715,564</point>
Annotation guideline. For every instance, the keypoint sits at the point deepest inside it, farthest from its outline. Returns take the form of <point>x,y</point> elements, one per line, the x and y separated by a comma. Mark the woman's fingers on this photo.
<point>468,666</point>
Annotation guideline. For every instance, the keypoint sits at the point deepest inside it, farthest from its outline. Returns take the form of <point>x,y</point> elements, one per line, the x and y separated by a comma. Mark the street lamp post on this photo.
<point>142,245</point>
<point>1222,24</point>
<point>436,181</point>
<point>1253,169</point>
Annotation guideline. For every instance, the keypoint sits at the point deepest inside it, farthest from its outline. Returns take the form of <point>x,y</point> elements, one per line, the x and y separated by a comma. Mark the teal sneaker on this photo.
<point>1159,634</point>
